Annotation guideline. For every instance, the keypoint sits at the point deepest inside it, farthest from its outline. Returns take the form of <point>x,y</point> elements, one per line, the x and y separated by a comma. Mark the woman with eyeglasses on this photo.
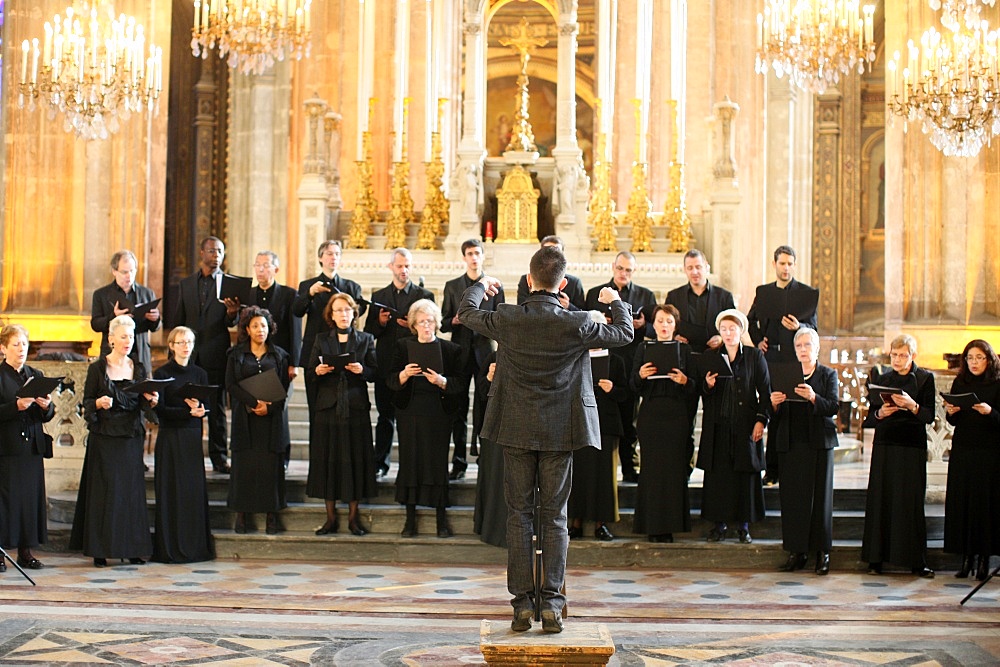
<point>895,529</point>
<point>182,531</point>
<point>972,506</point>
<point>426,402</point>
<point>341,450</point>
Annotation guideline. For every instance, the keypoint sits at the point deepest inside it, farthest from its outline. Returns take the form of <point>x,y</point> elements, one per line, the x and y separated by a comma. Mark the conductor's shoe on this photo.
<point>603,534</point>
<point>769,480</point>
<point>3,565</point>
<point>551,621</point>
<point>875,568</point>
<point>822,563</point>
<point>457,473</point>
<point>923,572</point>
<point>522,620</point>
<point>222,468</point>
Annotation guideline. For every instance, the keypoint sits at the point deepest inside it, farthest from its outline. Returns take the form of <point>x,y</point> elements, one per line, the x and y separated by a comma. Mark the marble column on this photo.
<point>781,97</point>
<point>725,197</point>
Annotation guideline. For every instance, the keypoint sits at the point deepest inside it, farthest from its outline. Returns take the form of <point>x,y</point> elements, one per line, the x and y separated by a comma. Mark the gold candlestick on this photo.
<point>401,209</point>
<point>675,214</point>
<point>435,214</point>
<point>639,205</point>
<point>602,207</point>
<point>365,206</point>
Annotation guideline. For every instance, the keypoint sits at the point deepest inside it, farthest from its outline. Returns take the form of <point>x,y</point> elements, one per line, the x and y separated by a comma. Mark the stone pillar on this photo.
<point>725,198</point>
<point>826,204</point>
<point>778,222</point>
<point>313,192</point>
<point>332,140</point>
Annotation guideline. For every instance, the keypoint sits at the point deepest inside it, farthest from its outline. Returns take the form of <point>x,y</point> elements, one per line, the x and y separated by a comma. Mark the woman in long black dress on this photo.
<point>594,491</point>
<point>260,429</point>
<point>489,519</point>
<point>735,414</point>
<point>895,528</point>
<point>182,532</point>
<point>341,451</point>
<point>23,446</point>
<point>111,519</point>
<point>426,402</point>
<point>666,437</point>
<point>805,436</point>
<point>972,506</point>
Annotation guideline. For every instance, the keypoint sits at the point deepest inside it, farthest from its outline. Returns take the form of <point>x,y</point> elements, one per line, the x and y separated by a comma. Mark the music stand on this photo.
<point>25,574</point>
<point>981,584</point>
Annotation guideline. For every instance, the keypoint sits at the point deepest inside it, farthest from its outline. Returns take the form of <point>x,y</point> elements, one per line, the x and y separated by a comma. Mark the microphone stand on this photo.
<point>25,574</point>
<point>536,542</point>
<point>981,584</point>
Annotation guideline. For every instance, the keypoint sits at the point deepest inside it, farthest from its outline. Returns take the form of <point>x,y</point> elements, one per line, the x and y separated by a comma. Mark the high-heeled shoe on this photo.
<point>969,563</point>
<point>983,570</point>
<point>744,535</point>
<point>136,561</point>
<point>796,561</point>
<point>356,528</point>
<point>718,533</point>
<point>100,562</point>
<point>271,525</point>
<point>822,563</point>
<point>328,528</point>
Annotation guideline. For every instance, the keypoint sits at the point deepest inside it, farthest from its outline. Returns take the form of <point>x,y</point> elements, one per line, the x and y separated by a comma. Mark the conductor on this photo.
<point>541,408</point>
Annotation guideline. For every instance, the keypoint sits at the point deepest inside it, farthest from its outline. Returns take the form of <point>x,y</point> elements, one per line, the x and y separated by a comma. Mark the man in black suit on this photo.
<point>638,297</point>
<point>572,297</point>
<point>119,298</point>
<point>475,348</point>
<point>200,309</point>
<point>312,298</point>
<point>699,302</point>
<point>278,300</point>
<point>776,337</point>
<point>388,325</point>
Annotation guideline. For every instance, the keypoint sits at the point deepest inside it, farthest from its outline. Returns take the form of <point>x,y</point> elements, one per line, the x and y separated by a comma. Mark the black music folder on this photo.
<point>37,387</point>
<point>600,365</point>
<point>425,355</point>
<point>785,377</point>
<point>773,303</point>
<point>140,309</point>
<point>204,393</point>
<point>235,287</point>
<point>147,386</point>
<point>395,314</point>
<point>265,386</point>
<point>714,362</point>
<point>885,392</point>
<point>964,401</point>
<point>337,362</point>
<point>664,355</point>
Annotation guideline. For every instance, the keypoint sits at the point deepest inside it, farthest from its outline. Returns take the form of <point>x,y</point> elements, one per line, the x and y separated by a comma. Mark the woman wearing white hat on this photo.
<point>735,414</point>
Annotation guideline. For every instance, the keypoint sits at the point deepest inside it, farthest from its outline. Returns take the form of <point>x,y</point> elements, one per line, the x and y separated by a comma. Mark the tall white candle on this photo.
<point>25,47</point>
<point>401,43</point>
<point>362,86</point>
<point>430,103</point>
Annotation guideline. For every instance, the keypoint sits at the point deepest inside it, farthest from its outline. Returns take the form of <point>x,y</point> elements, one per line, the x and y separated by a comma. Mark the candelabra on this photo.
<point>956,12</point>
<point>365,204</point>
<point>601,219</point>
<point>639,206</point>
<point>401,209</point>
<point>675,215</point>
<point>252,34</point>
<point>96,72</point>
<point>434,216</point>
<point>815,41</point>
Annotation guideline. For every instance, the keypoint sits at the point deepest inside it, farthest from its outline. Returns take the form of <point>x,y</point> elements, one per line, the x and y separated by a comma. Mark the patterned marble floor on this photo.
<point>300,613</point>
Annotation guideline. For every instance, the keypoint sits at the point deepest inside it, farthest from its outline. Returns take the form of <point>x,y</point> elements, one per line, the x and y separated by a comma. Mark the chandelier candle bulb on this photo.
<point>34,61</point>
<point>25,47</point>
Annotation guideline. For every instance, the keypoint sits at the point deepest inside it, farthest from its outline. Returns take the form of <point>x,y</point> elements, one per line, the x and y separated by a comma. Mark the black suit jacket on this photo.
<point>475,346</point>
<point>719,299</point>
<point>21,430</point>
<point>210,326</point>
<point>822,433</point>
<point>780,341</point>
<point>311,307</point>
<point>355,390</point>
<point>574,290</point>
<point>386,336</point>
<point>288,325</point>
<point>102,311</point>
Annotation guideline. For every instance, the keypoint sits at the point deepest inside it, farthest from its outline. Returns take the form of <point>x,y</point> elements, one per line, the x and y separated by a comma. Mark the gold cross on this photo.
<point>524,43</point>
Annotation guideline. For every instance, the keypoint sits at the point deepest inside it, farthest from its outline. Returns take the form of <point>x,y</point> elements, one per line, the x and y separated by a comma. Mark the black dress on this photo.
<point>257,478</point>
<point>594,493</point>
<point>895,528</point>
<point>182,531</point>
<point>731,459</point>
<point>23,445</point>
<point>341,451</point>
<point>805,435</point>
<point>972,506</point>
<point>489,519</point>
<point>111,519</point>
<point>424,418</point>
<point>666,440</point>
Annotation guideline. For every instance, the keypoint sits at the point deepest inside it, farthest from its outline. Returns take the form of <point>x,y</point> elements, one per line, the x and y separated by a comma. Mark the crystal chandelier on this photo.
<point>956,12</point>
<point>815,41</point>
<point>950,84</point>
<point>251,34</point>
<point>94,68</point>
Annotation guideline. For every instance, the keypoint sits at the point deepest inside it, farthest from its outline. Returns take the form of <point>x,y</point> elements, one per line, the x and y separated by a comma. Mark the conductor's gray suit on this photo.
<point>541,408</point>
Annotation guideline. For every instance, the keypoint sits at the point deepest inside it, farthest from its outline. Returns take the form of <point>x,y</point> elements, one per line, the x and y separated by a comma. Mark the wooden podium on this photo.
<point>578,644</point>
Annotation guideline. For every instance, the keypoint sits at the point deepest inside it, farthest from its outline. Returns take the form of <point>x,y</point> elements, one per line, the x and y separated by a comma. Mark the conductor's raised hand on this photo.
<point>608,295</point>
<point>491,285</point>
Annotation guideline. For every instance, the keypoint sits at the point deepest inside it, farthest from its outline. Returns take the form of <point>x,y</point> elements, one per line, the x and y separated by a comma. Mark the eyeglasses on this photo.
<point>342,311</point>
<point>975,358</point>
<point>426,323</point>
<point>184,342</point>
<point>263,266</point>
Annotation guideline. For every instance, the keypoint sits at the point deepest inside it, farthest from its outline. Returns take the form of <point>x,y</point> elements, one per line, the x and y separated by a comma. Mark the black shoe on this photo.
<point>3,565</point>
<point>328,528</point>
<point>381,472</point>
<point>603,534</point>
<point>630,477</point>
<point>30,562</point>
<point>221,468</point>
<point>356,528</point>
<point>822,563</point>
<point>522,620</point>
<point>875,568</point>
<point>457,473</point>
<point>444,531</point>
<point>136,561</point>
<point>240,525</point>
<point>983,570</point>
<point>100,562</point>
<point>551,621</point>
<point>923,572</point>
<point>769,481</point>
<point>968,566</point>
<point>575,532</point>
<point>409,529</point>
<point>744,535</point>
<point>272,527</point>
<point>796,561</point>
<point>663,537</point>
<point>718,534</point>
